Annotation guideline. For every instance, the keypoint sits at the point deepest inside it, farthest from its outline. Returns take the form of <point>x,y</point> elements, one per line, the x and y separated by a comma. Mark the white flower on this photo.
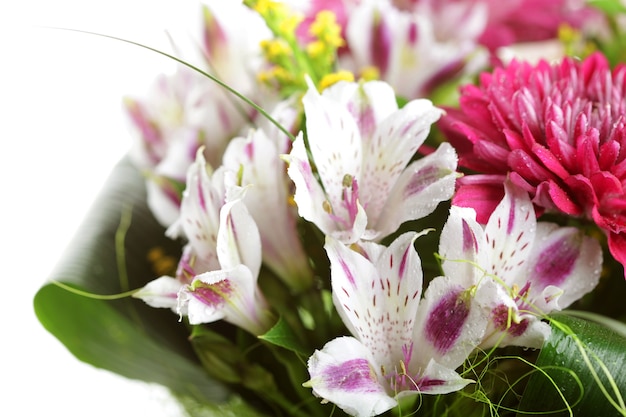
<point>185,110</point>
<point>264,174</point>
<point>416,47</point>
<point>539,267</point>
<point>361,146</point>
<point>400,345</point>
<point>217,274</point>
<point>231,293</point>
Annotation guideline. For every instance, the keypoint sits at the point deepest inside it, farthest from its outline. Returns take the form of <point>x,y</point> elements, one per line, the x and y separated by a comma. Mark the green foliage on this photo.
<point>581,371</point>
<point>123,336</point>
<point>609,7</point>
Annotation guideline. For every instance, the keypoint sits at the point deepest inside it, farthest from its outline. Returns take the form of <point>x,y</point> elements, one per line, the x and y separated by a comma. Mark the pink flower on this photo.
<point>557,131</point>
<point>516,21</point>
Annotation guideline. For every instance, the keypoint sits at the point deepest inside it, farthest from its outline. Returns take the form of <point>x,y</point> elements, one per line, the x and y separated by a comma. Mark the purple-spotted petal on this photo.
<point>451,322</point>
<point>378,298</point>
<point>391,147</point>
<point>421,187</point>
<point>510,233</point>
<point>562,257</point>
<point>231,295</point>
<point>439,379</point>
<point>462,247</point>
<point>344,373</point>
<point>335,144</point>
<point>510,325</point>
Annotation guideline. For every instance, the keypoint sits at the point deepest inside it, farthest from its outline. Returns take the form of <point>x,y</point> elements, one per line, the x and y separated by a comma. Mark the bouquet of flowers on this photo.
<point>367,207</point>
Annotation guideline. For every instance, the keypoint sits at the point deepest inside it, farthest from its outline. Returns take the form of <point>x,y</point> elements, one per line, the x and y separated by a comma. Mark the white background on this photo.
<point>61,131</point>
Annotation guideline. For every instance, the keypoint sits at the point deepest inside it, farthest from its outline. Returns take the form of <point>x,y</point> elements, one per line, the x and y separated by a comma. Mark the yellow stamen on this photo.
<point>335,77</point>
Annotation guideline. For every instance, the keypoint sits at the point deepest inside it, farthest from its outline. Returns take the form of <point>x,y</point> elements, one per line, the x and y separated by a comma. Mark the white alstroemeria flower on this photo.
<point>401,345</point>
<point>361,146</point>
<point>539,267</point>
<point>412,47</point>
<point>264,174</point>
<point>231,293</point>
<point>185,110</point>
<point>217,273</point>
<point>198,223</point>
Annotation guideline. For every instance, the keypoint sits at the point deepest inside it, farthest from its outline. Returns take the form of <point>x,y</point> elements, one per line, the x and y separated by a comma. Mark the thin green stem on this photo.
<point>120,250</point>
<point>200,71</point>
<point>91,295</point>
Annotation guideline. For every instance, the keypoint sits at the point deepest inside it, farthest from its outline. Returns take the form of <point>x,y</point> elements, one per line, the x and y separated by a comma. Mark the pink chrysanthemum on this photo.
<point>556,130</point>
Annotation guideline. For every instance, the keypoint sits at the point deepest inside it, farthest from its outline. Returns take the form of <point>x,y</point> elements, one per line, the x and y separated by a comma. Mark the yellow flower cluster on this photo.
<point>289,61</point>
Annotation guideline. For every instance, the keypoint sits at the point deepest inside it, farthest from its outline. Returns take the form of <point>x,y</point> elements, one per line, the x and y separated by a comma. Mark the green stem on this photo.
<point>206,74</point>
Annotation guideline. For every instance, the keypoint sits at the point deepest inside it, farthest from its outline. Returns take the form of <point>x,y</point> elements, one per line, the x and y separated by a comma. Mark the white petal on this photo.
<point>256,158</point>
<point>200,208</point>
<point>451,323</point>
<point>564,266</point>
<point>335,144</point>
<point>369,103</point>
<point>510,233</point>
<point>309,195</point>
<point>421,187</point>
<point>160,293</point>
<point>510,326</point>
<point>238,240</point>
<point>389,150</point>
<point>344,373</point>
<point>462,246</point>
<point>231,295</point>
<point>439,379</point>
<point>378,298</point>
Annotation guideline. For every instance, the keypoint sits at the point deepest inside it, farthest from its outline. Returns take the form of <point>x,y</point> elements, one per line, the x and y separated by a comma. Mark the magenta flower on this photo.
<point>557,131</point>
<point>515,21</point>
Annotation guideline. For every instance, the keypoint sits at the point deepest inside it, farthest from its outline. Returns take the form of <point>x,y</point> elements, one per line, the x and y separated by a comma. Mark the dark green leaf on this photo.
<point>584,365</point>
<point>109,257</point>
<point>282,335</point>
<point>96,333</point>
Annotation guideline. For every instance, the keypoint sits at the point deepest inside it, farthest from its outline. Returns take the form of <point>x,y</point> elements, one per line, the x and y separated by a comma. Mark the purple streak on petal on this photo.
<point>364,115</point>
<point>511,223</point>
<point>500,317</point>
<point>381,44</point>
<point>413,34</point>
<point>348,272</point>
<point>407,352</point>
<point>557,261</point>
<point>201,198</point>
<point>249,150</point>
<point>307,174</point>
<point>422,179</point>
<point>469,240</point>
<point>402,268</point>
<point>425,382</point>
<point>213,295</point>
<point>446,321</point>
<point>354,375</point>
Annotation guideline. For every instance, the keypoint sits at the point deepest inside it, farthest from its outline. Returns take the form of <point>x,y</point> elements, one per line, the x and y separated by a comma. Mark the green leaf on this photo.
<point>235,407</point>
<point>610,7</point>
<point>97,333</point>
<point>282,335</point>
<point>120,247</point>
<point>581,371</point>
